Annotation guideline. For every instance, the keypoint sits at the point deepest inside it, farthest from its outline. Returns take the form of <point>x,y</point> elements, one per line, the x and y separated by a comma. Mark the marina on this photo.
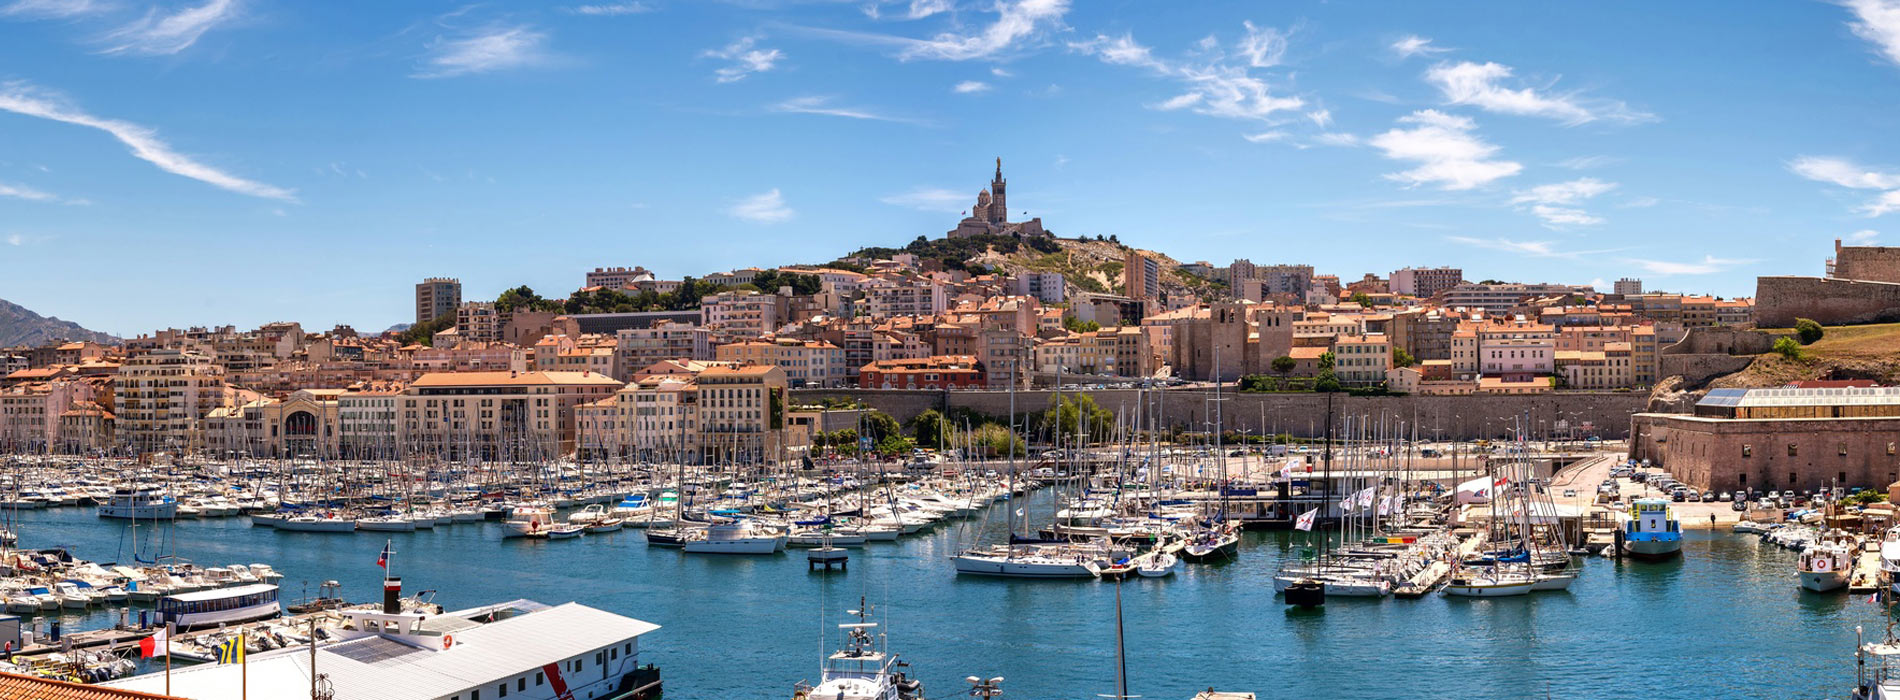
<point>947,625</point>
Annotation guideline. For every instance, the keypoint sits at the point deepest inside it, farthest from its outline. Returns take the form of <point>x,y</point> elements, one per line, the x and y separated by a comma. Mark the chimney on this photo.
<point>392,595</point>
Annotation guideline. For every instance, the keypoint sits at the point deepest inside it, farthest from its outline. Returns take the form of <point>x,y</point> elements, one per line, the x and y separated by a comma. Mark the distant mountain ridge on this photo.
<point>20,326</point>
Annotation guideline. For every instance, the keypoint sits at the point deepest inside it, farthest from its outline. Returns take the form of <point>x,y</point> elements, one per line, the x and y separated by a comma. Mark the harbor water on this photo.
<point>1725,620</point>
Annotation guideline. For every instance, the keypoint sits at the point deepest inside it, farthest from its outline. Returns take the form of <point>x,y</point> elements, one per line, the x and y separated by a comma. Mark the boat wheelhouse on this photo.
<point>1650,530</point>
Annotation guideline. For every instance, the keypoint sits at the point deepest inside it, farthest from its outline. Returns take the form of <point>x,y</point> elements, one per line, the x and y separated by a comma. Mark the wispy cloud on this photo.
<point>1555,203</point>
<point>16,240</point>
<point>485,50</point>
<point>931,199</point>
<point>920,9</point>
<point>26,193</point>
<point>1215,83</point>
<point>969,86</point>
<point>1641,202</point>
<point>762,208</point>
<point>1414,45</point>
<point>1482,85</point>
<point>1448,155</point>
<point>822,105</point>
<point>746,59</point>
<point>1861,237</point>
<point>1587,162</point>
<point>1877,21</point>
<point>52,9</point>
<point>164,34</point>
<point>144,143</point>
<point>611,9</point>
<point>1708,265</point>
<point>1017,22</point>
<point>1534,249</point>
<point>1846,173</point>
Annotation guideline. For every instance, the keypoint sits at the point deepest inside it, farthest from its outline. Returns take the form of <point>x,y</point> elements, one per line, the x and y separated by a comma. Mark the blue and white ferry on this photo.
<point>1650,530</point>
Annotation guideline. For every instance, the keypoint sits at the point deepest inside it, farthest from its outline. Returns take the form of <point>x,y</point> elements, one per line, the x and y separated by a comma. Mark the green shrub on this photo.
<point>1807,330</point>
<point>1786,347</point>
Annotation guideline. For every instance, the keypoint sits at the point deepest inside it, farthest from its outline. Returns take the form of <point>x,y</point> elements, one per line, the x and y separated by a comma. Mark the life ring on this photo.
<point>1821,564</point>
<point>448,640</point>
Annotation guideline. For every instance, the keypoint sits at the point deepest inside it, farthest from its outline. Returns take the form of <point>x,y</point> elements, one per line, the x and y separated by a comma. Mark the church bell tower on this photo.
<point>999,203</point>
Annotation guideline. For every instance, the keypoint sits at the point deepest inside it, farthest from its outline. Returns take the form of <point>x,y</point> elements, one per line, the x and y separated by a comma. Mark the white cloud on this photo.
<point>26,193</point>
<point>1480,85</point>
<point>1555,203</point>
<point>612,9</point>
<point>1267,137</point>
<point>821,105</point>
<point>1263,47</point>
<point>52,9</point>
<point>1016,21</point>
<point>1414,45</point>
<point>1321,117</point>
<point>1845,173</point>
<point>143,141</point>
<point>14,239</point>
<point>1215,85</point>
<point>1333,138</point>
<point>920,9</point>
<point>968,86</point>
<point>1534,249</point>
<point>1447,154</point>
<point>1586,162</point>
<point>1861,237</point>
<point>932,199</point>
<point>1708,265</point>
<point>763,208</point>
<point>1001,72</point>
<point>158,34</point>
<point>746,60</point>
<point>1877,21</point>
<point>1641,202</point>
<point>484,51</point>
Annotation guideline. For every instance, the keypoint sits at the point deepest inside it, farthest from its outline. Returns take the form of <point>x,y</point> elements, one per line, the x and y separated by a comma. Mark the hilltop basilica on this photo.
<point>991,214</point>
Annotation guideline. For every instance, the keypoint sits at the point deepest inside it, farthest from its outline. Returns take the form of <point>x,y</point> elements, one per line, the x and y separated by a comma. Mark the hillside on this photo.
<point>20,326</point>
<point>1843,352</point>
<point>1086,264</point>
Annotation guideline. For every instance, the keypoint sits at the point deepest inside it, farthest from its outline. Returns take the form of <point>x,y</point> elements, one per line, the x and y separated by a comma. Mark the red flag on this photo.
<point>153,645</point>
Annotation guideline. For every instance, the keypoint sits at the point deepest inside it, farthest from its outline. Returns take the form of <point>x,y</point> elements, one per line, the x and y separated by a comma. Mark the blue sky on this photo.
<point>244,161</point>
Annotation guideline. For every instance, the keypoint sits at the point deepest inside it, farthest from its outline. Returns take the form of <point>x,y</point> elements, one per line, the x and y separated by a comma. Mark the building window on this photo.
<point>1744,479</point>
<point>1842,479</point>
<point>1843,449</point>
<point>1790,478</point>
<point>1748,451</point>
<point>1791,450</point>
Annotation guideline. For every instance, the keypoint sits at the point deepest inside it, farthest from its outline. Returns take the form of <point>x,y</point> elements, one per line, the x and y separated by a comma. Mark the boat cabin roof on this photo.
<point>219,593</point>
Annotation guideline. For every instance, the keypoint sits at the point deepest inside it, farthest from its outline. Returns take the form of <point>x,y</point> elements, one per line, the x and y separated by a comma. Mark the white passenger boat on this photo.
<point>1890,559</point>
<point>385,523</point>
<point>737,536</point>
<point>1825,565</point>
<point>220,606</point>
<point>139,503</point>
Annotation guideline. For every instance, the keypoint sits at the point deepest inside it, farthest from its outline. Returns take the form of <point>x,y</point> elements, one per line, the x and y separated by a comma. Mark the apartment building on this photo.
<point>437,296</point>
<point>659,415</point>
<point>163,397</point>
<point>1362,360</point>
<point>806,363</point>
<point>743,313</point>
<point>1516,351</point>
<point>1425,281</point>
<point>935,372</point>
<point>497,415</point>
<point>741,414</point>
<point>907,296</point>
<point>639,347</point>
<point>1141,276</point>
<point>478,322</point>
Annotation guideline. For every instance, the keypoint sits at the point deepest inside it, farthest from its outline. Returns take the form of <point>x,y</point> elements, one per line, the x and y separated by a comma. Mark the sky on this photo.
<point>197,162</point>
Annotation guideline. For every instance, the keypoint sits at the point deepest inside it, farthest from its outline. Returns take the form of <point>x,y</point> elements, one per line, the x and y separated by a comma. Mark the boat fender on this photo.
<point>448,640</point>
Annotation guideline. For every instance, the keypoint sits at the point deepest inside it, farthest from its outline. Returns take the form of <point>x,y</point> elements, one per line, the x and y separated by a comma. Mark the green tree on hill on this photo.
<point>1807,330</point>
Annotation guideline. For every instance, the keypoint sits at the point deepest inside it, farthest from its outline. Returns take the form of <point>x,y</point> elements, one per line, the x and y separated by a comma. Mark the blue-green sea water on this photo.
<point>1726,620</point>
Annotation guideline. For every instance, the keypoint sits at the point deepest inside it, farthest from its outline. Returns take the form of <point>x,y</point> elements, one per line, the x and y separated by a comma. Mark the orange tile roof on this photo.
<point>510,378</point>
<point>14,686</point>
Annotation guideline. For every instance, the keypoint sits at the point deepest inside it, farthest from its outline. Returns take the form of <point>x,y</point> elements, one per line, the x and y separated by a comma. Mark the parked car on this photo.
<point>1679,496</point>
<point>1739,505</point>
<point>1570,493</point>
<point>1691,495</point>
<point>1710,496</point>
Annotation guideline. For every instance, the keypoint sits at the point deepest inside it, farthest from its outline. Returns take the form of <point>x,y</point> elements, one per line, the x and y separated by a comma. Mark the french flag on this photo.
<point>382,560</point>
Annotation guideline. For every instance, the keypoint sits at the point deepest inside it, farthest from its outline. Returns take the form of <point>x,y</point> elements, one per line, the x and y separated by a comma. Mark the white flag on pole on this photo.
<point>1365,496</point>
<point>1305,521</point>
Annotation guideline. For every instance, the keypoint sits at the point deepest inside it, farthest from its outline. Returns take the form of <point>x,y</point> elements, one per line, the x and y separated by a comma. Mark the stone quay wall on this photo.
<point>1468,417</point>
<point>1831,302</point>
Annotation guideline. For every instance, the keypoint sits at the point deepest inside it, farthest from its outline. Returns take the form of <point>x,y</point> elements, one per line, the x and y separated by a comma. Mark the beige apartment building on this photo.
<point>741,414</point>
<point>436,296</point>
<point>163,397</point>
<point>497,415</point>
